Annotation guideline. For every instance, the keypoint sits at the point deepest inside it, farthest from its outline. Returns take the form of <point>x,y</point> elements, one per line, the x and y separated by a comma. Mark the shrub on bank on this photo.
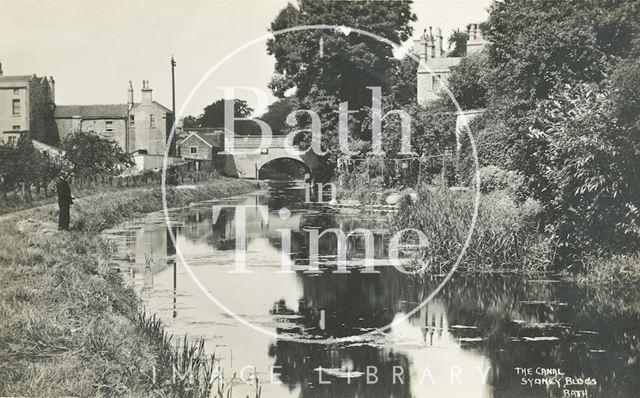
<point>505,236</point>
<point>493,178</point>
<point>609,271</point>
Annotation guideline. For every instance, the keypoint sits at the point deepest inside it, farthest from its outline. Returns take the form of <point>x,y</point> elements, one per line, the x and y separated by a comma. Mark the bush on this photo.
<point>493,178</point>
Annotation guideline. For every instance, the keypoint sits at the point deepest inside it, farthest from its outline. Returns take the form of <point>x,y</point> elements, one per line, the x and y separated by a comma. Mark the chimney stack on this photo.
<point>421,46</point>
<point>431,52</point>
<point>130,95</point>
<point>0,68</point>
<point>52,87</point>
<point>439,49</point>
<point>476,40</point>
<point>147,97</point>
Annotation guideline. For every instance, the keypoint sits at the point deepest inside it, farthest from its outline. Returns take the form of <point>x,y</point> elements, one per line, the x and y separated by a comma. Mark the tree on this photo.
<point>590,160</point>
<point>191,122</point>
<point>403,82</point>
<point>467,82</point>
<point>549,89</point>
<point>539,45</point>
<point>9,175</point>
<point>213,115</point>
<point>276,115</point>
<point>90,154</point>
<point>458,40</point>
<point>348,63</point>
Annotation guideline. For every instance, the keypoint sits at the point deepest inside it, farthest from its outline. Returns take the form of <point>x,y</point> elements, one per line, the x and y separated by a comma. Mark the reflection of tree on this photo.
<point>504,311</point>
<point>300,361</point>
<point>508,310</point>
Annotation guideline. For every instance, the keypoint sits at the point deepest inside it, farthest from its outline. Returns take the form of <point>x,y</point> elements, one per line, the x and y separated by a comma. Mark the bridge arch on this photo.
<point>251,157</point>
<point>286,171</point>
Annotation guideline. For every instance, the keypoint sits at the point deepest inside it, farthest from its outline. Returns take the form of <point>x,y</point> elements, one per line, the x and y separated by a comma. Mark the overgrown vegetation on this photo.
<point>70,326</point>
<point>558,83</point>
<point>505,236</point>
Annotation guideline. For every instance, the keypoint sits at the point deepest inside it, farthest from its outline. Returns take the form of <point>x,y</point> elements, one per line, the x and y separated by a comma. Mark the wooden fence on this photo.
<point>96,183</point>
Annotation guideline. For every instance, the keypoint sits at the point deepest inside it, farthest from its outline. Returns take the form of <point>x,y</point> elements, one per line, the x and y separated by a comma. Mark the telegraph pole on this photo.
<point>172,145</point>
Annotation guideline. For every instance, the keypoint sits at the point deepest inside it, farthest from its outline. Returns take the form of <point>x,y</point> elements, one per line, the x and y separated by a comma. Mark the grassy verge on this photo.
<point>70,327</point>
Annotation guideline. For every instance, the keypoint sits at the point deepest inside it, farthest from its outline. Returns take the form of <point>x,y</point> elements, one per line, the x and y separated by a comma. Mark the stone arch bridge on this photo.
<point>250,156</point>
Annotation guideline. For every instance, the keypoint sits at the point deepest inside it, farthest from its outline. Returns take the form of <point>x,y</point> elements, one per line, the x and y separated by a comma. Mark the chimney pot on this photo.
<point>147,97</point>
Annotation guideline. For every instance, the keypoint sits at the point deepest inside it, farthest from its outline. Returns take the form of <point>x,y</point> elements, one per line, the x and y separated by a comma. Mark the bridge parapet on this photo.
<point>255,142</point>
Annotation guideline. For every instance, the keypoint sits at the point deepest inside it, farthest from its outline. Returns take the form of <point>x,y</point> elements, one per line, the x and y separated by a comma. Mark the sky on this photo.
<point>94,48</point>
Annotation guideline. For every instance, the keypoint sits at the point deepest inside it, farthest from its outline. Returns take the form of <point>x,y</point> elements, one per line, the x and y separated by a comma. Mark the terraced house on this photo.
<point>138,127</point>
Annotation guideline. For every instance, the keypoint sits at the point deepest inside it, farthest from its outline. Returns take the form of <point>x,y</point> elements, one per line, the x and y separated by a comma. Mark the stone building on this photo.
<point>26,106</point>
<point>435,63</point>
<point>138,127</point>
<point>107,120</point>
<point>201,145</point>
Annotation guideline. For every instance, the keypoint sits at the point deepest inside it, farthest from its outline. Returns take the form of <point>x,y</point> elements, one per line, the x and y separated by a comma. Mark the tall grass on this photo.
<point>505,235</point>
<point>70,326</point>
<point>611,271</point>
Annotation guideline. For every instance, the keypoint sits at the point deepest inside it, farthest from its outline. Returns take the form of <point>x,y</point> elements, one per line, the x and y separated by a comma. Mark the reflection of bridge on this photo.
<point>250,156</point>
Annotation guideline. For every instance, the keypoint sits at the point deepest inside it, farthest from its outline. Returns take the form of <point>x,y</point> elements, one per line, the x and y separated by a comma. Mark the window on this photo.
<point>12,140</point>
<point>132,120</point>
<point>16,91</point>
<point>16,128</point>
<point>16,106</point>
<point>435,83</point>
<point>109,125</point>
<point>193,149</point>
<point>152,120</point>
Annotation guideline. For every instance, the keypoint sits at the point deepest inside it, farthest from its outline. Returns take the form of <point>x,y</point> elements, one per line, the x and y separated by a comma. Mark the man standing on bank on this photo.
<point>64,201</point>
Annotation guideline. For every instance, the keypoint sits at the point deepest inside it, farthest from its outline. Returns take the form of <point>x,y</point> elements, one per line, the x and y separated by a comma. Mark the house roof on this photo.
<point>44,147</point>
<point>438,64</point>
<point>164,108</point>
<point>97,111</point>
<point>19,78</point>
<point>15,81</point>
<point>91,111</point>
<point>212,138</point>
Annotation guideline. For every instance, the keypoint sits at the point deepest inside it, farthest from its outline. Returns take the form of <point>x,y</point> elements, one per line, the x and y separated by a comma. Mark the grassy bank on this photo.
<point>69,325</point>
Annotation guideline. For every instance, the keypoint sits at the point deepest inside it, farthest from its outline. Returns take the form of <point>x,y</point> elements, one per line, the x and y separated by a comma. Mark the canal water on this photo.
<point>481,336</point>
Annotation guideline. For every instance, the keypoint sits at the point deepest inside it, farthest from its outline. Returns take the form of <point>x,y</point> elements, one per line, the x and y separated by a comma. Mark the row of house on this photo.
<point>28,106</point>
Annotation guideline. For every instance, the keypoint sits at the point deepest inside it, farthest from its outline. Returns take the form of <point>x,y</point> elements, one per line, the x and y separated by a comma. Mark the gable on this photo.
<point>194,140</point>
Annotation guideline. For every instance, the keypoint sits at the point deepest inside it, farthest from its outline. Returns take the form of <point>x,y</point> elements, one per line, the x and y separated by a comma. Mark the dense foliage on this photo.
<point>348,64</point>
<point>555,97</point>
<point>83,155</point>
<point>90,154</point>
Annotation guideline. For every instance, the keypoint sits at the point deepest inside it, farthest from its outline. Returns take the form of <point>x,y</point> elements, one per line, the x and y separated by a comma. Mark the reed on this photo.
<point>505,236</point>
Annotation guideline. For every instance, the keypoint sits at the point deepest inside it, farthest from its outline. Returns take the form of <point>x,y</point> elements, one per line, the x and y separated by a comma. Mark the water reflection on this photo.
<point>465,343</point>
